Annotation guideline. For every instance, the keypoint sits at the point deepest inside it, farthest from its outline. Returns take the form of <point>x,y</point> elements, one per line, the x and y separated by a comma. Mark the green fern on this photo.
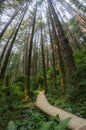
<point>52,125</point>
<point>48,126</point>
<point>11,126</point>
<point>62,125</point>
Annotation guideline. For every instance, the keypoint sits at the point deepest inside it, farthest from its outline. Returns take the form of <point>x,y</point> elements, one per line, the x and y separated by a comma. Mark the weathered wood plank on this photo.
<point>76,122</point>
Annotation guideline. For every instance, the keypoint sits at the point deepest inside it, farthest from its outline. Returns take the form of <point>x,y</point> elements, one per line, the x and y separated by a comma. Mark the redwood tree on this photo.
<point>6,58</point>
<point>43,58</point>
<point>64,43</point>
<point>27,87</point>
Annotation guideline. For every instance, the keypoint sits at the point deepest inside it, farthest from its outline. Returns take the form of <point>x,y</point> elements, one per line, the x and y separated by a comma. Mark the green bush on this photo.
<point>79,81</point>
<point>35,120</point>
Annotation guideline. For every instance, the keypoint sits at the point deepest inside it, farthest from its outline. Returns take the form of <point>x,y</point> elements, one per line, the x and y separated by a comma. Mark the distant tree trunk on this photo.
<point>8,23</point>
<point>43,59</point>
<point>5,62</point>
<point>75,42</point>
<point>25,56</point>
<point>77,16</point>
<point>47,57</point>
<point>64,43</point>
<point>8,95</point>
<point>39,60</point>
<point>25,53</point>
<point>27,88</point>
<point>79,5</point>
<point>35,57</point>
<point>6,45</point>
<point>53,56</point>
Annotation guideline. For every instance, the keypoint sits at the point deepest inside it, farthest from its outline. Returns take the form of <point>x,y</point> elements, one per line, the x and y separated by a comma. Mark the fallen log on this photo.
<point>76,123</point>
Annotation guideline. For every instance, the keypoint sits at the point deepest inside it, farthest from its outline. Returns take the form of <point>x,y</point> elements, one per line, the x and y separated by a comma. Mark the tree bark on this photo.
<point>43,58</point>
<point>53,55</point>
<point>81,20</point>
<point>59,58</point>
<point>75,42</point>
<point>79,5</point>
<point>8,23</point>
<point>5,62</point>
<point>64,43</point>
<point>27,88</point>
<point>6,45</point>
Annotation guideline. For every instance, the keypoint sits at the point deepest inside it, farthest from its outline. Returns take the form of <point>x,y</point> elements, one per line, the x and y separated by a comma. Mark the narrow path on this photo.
<point>76,122</point>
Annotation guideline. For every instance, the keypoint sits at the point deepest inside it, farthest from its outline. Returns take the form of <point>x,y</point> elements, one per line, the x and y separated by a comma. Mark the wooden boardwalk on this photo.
<point>76,123</point>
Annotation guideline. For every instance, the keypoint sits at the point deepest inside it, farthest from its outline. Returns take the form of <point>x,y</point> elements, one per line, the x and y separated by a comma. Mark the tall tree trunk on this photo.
<point>39,60</point>
<point>6,45</point>
<point>35,56</point>
<point>24,56</point>
<point>60,58</point>
<point>78,17</point>
<point>53,55</point>
<point>5,62</point>
<point>79,5</point>
<point>43,59</point>
<point>25,53</point>
<point>8,23</point>
<point>27,88</point>
<point>47,57</point>
<point>75,42</point>
<point>64,43</point>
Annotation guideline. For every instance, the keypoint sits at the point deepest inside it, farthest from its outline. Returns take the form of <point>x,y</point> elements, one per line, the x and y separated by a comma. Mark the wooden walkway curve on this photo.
<point>76,123</point>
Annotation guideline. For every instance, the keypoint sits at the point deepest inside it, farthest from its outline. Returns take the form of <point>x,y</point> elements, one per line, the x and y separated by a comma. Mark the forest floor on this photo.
<point>27,117</point>
<point>77,106</point>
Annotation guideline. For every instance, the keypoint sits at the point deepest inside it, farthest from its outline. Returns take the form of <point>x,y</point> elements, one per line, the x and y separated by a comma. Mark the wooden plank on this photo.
<point>76,123</point>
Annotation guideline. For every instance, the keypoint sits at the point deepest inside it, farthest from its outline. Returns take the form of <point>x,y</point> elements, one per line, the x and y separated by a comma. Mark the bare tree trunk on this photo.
<point>25,53</point>
<point>35,57</point>
<point>53,55</point>
<point>60,58</point>
<point>43,58</point>
<point>8,23</point>
<point>25,56</point>
<point>75,42</point>
<point>5,62</point>
<point>27,88</point>
<point>64,43</point>
<point>79,5</point>
<point>78,17</point>
<point>6,45</point>
<point>47,57</point>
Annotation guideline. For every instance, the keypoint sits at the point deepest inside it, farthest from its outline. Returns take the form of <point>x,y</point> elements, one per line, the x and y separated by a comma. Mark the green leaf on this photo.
<point>55,118</point>
<point>47,126</point>
<point>23,128</point>
<point>63,124</point>
<point>11,126</point>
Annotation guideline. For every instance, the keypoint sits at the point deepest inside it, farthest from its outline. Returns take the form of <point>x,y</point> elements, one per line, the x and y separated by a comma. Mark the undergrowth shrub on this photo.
<point>79,81</point>
<point>35,120</point>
